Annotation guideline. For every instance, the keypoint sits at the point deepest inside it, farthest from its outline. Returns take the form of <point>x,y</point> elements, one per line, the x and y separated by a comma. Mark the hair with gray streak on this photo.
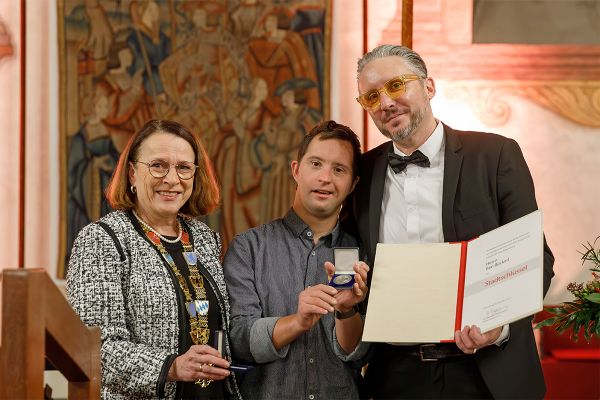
<point>414,60</point>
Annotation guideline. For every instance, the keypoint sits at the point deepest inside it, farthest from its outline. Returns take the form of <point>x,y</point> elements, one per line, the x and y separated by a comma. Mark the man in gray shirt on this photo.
<point>284,316</point>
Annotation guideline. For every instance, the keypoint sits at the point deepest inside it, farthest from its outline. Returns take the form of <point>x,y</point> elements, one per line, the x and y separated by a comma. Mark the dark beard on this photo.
<point>407,131</point>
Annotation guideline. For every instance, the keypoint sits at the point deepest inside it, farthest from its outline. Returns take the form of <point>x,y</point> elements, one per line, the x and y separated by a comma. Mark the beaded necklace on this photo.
<point>164,239</point>
<point>197,309</point>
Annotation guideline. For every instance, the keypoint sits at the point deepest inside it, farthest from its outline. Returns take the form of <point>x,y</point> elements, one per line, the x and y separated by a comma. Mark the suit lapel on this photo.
<point>376,197</point>
<point>453,158</point>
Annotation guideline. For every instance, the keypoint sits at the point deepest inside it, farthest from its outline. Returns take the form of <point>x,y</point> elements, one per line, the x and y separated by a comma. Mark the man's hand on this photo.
<point>470,339</point>
<point>313,303</point>
<point>347,299</point>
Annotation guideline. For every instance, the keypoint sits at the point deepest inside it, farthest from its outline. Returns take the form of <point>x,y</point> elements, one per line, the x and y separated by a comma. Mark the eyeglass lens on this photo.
<point>394,89</point>
<point>160,168</point>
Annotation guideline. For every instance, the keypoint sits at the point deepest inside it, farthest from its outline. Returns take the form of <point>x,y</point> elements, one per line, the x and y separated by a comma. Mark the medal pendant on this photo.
<point>190,257</point>
<point>191,308</point>
<point>201,307</point>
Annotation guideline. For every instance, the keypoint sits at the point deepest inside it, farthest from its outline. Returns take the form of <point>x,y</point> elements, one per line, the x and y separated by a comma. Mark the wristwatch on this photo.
<point>346,314</point>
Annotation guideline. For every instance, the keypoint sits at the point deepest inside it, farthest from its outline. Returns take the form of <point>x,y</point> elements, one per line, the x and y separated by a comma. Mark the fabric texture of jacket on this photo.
<point>134,302</point>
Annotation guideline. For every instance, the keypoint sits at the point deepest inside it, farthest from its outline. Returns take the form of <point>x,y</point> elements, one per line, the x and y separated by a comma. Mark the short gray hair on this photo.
<point>414,60</point>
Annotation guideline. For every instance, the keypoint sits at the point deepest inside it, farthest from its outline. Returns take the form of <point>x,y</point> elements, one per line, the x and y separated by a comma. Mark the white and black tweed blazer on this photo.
<point>130,295</point>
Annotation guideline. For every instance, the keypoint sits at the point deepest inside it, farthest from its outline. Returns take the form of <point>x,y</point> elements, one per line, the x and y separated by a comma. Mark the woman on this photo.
<point>149,274</point>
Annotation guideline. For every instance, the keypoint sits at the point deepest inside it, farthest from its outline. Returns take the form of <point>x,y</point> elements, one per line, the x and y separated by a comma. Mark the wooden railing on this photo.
<point>39,324</point>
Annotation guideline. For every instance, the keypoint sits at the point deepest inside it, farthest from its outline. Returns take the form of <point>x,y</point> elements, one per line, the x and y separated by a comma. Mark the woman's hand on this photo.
<point>199,362</point>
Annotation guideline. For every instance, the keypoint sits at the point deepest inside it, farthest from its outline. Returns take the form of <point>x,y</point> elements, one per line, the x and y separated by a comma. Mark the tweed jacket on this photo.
<point>134,302</point>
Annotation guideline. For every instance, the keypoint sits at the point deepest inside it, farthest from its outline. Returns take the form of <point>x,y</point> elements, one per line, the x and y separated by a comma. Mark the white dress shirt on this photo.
<point>411,211</point>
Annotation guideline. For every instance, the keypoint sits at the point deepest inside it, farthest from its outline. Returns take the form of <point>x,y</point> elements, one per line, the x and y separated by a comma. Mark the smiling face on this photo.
<point>409,116</point>
<point>324,178</point>
<point>158,200</point>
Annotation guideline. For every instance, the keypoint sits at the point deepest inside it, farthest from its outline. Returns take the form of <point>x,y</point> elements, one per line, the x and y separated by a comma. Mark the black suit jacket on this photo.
<point>486,184</point>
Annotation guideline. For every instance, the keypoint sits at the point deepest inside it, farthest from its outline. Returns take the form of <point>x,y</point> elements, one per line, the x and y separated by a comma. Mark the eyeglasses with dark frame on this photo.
<point>394,88</point>
<point>160,168</point>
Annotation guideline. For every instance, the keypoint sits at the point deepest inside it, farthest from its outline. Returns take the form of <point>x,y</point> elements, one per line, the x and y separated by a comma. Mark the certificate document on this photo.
<point>422,293</point>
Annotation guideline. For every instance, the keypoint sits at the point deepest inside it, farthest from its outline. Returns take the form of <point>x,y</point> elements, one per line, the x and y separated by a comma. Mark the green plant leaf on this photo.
<point>556,310</point>
<point>581,315</point>
<point>572,318</point>
<point>594,298</point>
<point>547,322</point>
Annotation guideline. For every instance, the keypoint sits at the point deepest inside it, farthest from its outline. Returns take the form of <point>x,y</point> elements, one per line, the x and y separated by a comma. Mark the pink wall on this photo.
<point>41,187</point>
<point>9,129</point>
<point>41,130</point>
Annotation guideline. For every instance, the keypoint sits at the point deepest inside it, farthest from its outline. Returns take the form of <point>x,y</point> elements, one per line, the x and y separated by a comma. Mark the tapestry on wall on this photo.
<point>248,76</point>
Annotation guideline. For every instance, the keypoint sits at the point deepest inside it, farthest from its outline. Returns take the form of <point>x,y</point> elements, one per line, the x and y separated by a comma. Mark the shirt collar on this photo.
<point>432,145</point>
<point>300,229</point>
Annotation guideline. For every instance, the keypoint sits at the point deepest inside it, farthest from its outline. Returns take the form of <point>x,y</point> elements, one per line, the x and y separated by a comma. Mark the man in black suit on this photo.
<point>431,183</point>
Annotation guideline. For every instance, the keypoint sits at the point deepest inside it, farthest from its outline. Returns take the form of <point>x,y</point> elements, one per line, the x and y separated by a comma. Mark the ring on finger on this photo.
<point>474,350</point>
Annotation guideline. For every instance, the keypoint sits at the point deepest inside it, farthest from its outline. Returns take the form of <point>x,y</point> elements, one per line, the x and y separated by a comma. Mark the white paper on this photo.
<point>415,287</point>
<point>413,293</point>
<point>504,274</point>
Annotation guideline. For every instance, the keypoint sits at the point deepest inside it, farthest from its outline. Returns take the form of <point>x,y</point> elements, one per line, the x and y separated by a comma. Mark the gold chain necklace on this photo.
<point>197,309</point>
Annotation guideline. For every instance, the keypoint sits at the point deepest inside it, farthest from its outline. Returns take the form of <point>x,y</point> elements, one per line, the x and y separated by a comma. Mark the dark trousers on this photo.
<point>393,373</point>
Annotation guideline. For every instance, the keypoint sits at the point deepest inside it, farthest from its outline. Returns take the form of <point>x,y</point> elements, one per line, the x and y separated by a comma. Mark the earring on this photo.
<point>132,189</point>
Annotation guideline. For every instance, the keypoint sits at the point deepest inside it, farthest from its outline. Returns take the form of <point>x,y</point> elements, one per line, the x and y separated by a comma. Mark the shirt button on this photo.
<point>310,360</point>
<point>309,233</point>
<point>313,253</point>
<point>311,397</point>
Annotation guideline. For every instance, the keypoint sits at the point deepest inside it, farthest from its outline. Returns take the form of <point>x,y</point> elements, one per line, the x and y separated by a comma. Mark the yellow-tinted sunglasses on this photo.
<point>394,88</point>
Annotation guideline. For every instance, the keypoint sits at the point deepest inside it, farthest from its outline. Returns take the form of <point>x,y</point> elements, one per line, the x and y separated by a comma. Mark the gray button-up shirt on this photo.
<point>266,268</point>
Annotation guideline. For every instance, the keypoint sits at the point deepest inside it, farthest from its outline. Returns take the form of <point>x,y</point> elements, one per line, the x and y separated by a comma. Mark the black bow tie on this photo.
<point>399,163</point>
